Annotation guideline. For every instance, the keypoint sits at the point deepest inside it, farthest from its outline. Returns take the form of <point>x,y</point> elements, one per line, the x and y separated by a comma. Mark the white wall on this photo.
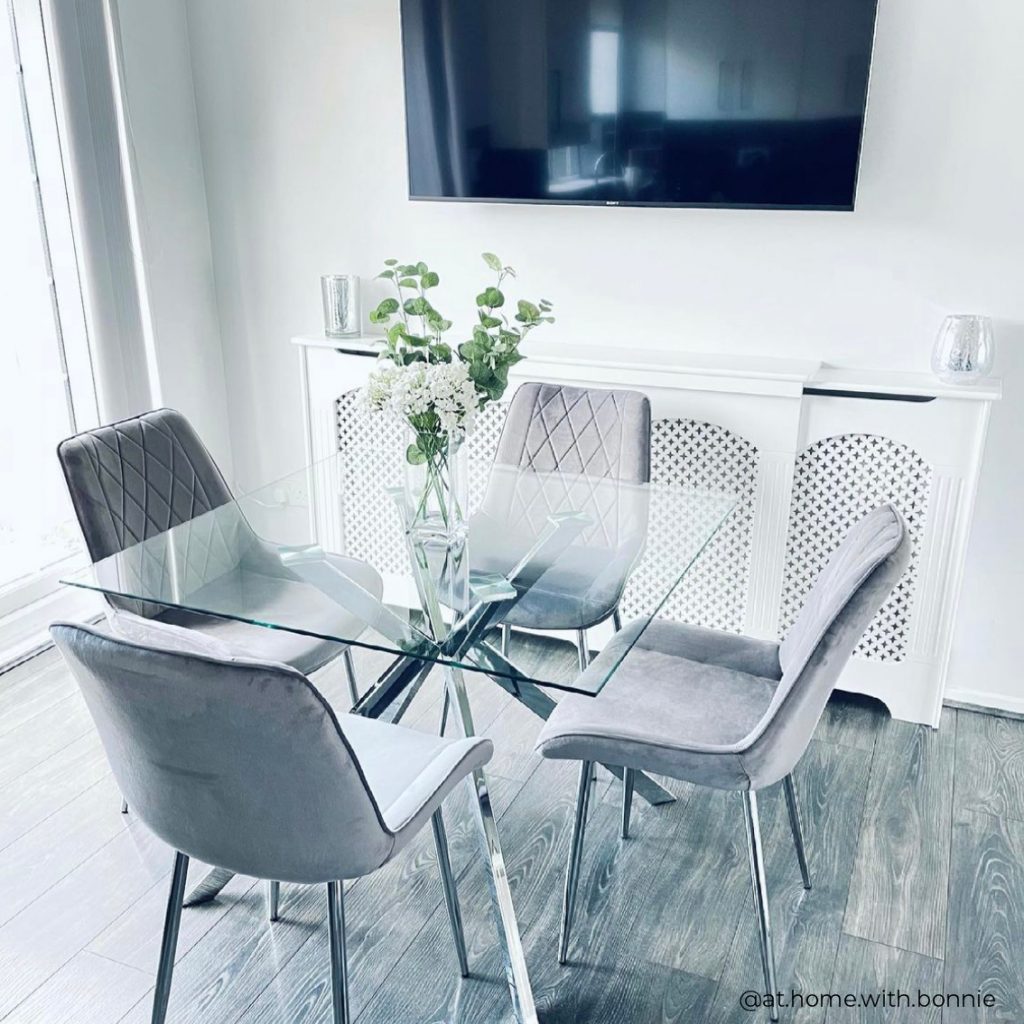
<point>170,196</point>
<point>301,122</point>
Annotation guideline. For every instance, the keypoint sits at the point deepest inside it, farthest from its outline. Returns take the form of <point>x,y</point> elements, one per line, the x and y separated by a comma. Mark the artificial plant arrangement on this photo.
<point>438,389</point>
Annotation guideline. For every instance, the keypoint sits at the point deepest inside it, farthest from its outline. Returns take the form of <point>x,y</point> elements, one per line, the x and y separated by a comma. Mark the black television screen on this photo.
<point>746,103</point>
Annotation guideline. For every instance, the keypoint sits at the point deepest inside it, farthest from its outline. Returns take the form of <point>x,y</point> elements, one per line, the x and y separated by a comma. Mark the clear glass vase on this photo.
<point>436,487</point>
<point>964,349</point>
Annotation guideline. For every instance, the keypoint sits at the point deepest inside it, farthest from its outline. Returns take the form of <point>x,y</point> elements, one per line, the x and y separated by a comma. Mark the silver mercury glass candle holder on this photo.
<point>964,349</point>
<point>341,305</point>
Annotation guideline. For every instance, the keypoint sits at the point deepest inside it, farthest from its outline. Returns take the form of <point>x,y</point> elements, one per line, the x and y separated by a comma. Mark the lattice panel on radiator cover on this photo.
<point>838,480</point>
<point>705,457</point>
<point>373,446</point>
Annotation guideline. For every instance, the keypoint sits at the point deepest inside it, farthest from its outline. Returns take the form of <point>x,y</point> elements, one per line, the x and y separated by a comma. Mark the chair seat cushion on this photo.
<point>408,772</point>
<point>680,703</point>
<point>281,601</point>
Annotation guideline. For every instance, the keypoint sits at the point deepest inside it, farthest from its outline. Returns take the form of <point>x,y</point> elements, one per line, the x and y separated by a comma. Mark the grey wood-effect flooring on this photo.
<point>915,840</point>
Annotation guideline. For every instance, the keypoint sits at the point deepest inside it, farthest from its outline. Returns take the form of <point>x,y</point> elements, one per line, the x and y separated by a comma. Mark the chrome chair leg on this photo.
<point>582,650</point>
<point>274,900</point>
<point>444,713</point>
<point>794,823</point>
<point>350,673</point>
<point>506,636</point>
<point>627,799</point>
<point>124,806</point>
<point>572,874</point>
<point>759,885</point>
<point>339,960</point>
<point>169,943</point>
<point>451,893</point>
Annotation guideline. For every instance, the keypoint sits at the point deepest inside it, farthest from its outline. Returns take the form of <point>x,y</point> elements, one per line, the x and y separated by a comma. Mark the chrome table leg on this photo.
<point>273,900</point>
<point>501,896</point>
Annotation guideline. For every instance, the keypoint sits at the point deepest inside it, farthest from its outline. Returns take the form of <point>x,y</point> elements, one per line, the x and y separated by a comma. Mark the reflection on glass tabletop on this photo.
<point>538,547</point>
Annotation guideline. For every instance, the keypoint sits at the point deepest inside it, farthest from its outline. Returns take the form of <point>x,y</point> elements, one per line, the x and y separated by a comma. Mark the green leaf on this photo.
<point>528,310</point>
<point>417,307</point>
<point>414,456</point>
<point>408,282</point>
<point>441,352</point>
<point>430,280</point>
<point>492,261</point>
<point>408,270</point>
<point>491,297</point>
<point>387,307</point>
<point>388,275</point>
<point>391,263</point>
<point>395,333</point>
<point>421,268</point>
<point>415,340</point>
<point>413,356</point>
<point>490,322</point>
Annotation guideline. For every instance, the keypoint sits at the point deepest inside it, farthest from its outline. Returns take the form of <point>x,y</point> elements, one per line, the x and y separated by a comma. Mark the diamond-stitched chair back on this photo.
<point>137,478</point>
<point>591,432</point>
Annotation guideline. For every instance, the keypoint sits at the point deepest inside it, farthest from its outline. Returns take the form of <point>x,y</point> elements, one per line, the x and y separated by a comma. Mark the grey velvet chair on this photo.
<point>244,765</point>
<point>589,432</point>
<point>727,711</point>
<point>143,476</point>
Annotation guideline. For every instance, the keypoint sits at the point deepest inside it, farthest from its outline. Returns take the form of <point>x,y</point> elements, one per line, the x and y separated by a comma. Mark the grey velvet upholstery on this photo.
<point>728,711</point>
<point>590,433</point>
<point>586,431</point>
<point>243,764</point>
<point>143,476</point>
<point>139,477</point>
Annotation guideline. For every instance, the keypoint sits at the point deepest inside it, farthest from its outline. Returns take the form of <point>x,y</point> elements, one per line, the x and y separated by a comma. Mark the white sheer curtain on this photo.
<point>88,94</point>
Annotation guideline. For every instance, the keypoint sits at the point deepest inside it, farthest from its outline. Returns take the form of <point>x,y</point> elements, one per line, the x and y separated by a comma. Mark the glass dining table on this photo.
<point>297,555</point>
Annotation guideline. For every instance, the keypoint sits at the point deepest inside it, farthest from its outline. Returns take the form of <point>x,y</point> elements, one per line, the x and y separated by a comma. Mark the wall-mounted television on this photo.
<point>718,103</point>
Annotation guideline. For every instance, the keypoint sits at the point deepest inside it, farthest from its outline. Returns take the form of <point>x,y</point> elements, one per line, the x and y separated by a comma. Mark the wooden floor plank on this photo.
<point>384,914</point>
<point>879,976</point>
<point>44,734</point>
<point>37,861</point>
<point>665,930</point>
<point>986,917</point>
<point>50,931</point>
<point>990,764</point>
<point>134,937</point>
<point>898,893</point>
<point>33,693</point>
<point>831,782</point>
<point>87,990</point>
<point>50,785</point>
<point>851,719</point>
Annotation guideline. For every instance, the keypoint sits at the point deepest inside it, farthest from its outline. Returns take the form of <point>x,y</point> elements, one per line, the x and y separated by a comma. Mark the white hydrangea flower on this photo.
<point>443,389</point>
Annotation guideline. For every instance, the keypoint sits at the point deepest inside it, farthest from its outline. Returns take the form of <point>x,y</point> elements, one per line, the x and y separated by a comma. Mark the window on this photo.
<point>46,386</point>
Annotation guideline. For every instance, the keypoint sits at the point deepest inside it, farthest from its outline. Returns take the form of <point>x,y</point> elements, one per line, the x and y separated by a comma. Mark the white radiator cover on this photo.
<point>807,449</point>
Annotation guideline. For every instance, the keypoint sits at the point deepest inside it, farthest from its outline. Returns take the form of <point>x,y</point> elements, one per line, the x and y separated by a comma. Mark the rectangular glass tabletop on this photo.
<point>546,550</point>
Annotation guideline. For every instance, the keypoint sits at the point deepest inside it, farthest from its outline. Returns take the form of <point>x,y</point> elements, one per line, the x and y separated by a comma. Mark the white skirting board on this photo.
<point>807,449</point>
